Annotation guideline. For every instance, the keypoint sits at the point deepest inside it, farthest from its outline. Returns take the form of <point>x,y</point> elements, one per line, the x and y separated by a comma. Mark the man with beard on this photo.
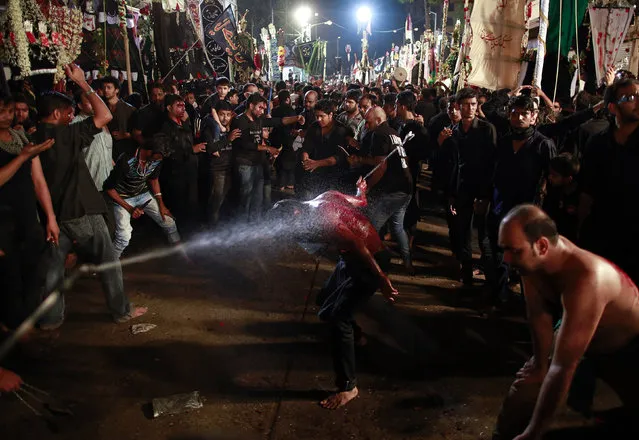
<point>611,182</point>
<point>310,100</point>
<point>179,174</point>
<point>334,220</point>
<point>600,322</point>
<point>522,162</point>
<point>249,150</point>
<point>323,155</point>
<point>149,119</point>
<point>122,112</point>
<point>351,116</point>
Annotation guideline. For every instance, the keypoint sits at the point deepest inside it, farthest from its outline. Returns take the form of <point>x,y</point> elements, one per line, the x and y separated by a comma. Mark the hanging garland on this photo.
<point>29,35</point>
<point>17,48</point>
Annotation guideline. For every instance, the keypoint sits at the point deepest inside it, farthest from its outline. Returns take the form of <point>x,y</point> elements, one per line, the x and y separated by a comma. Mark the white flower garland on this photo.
<point>20,38</point>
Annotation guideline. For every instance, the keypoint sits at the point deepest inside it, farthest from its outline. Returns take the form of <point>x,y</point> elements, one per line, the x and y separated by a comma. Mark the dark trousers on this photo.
<point>495,268</point>
<point>461,232</point>
<point>251,191</point>
<point>90,236</point>
<point>351,284</point>
<point>219,190</point>
<point>21,286</point>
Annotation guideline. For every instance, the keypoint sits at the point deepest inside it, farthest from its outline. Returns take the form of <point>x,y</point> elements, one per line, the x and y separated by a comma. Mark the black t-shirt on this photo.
<point>216,142</point>
<point>418,148</point>
<point>518,176</point>
<point>129,179</point>
<point>210,104</point>
<point>473,154</point>
<point>73,191</point>
<point>180,159</point>
<point>562,208</point>
<point>610,175</point>
<point>397,177</point>
<point>148,120</point>
<point>245,147</point>
<point>17,201</point>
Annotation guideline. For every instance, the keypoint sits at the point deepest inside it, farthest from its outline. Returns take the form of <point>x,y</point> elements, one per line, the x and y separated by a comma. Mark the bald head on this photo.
<point>533,222</point>
<point>527,236</point>
<point>310,99</point>
<point>374,117</point>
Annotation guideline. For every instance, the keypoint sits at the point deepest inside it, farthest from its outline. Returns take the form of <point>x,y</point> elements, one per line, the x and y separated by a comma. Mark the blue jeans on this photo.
<point>251,178</point>
<point>89,234</point>
<point>392,206</point>
<point>123,228</point>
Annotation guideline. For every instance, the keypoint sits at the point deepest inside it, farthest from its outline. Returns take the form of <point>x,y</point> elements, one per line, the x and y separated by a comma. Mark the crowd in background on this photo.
<point>77,168</point>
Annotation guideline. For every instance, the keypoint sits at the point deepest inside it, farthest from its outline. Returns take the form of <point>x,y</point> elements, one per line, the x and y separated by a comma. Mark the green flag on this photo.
<point>567,17</point>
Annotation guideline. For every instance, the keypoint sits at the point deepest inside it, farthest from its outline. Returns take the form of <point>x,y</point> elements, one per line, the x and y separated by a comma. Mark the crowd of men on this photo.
<point>77,168</point>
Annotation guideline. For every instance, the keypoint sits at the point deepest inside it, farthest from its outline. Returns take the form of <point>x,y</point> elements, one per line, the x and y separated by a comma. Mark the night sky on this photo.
<point>387,15</point>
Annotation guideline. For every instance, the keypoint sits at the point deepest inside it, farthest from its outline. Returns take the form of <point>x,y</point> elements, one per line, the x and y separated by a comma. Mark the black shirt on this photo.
<point>129,179</point>
<point>283,136</point>
<point>473,154</point>
<point>397,177</point>
<point>562,208</point>
<point>245,147</point>
<point>426,109</point>
<point>418,148</point>
<point>148,120</point>
<point>518,176</point>
<point>180,159</point>
<point>73,192</point>
<point>216,141</point>
<point>319,146</point>
<point>610,175</point>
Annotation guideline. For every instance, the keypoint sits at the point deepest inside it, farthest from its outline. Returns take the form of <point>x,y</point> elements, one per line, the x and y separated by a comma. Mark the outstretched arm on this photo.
<point>350,241</point>
<point>579,323</point>
<point>359,200</point>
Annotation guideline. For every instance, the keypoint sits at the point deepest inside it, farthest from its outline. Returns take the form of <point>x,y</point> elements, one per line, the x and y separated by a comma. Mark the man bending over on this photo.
<point>333,219</point>
<point>600,306</point>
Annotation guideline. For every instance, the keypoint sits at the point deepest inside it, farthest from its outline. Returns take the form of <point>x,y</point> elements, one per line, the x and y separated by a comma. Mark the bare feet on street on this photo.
<point>338,400</point>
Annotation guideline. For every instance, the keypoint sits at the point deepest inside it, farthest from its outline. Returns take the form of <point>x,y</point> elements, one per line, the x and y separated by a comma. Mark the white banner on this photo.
<point>608,27</point>
<point>498,27</point>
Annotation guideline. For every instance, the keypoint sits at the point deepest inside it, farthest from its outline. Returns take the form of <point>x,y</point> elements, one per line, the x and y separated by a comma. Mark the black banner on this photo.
<point>224,33</point>
<point>210,12</point>
<point>304,52</point>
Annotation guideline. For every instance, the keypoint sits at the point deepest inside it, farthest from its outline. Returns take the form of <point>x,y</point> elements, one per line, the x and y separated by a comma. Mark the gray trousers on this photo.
<point>90,236</point>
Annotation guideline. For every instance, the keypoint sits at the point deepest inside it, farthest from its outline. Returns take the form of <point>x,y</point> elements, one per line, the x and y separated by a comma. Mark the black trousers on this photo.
<point>461,232</point>
<point>351,284</point>
<point>22,241</point>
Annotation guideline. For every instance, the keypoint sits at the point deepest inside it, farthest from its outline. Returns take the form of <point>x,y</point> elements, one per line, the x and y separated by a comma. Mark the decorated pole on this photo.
<point>541,42</point>
<point>125,38</point>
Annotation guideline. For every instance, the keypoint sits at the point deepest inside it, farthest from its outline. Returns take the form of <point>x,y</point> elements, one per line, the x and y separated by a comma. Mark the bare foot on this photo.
<point>135,312</point>
<point>338,400</point>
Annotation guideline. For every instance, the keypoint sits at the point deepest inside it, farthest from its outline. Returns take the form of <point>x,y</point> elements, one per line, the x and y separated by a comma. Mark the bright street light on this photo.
<point>317,14</point>
<point>416,29</point>
<point>329,22</point>
<point>303,15</point>
<point>364,14</point>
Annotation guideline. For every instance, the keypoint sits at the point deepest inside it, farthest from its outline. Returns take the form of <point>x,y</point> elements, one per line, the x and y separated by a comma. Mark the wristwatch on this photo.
<point>89,92</point>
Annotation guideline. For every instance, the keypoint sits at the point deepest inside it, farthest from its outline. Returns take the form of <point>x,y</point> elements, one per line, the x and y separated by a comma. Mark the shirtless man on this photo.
<point>600,320</point>
<point>334,219</point>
